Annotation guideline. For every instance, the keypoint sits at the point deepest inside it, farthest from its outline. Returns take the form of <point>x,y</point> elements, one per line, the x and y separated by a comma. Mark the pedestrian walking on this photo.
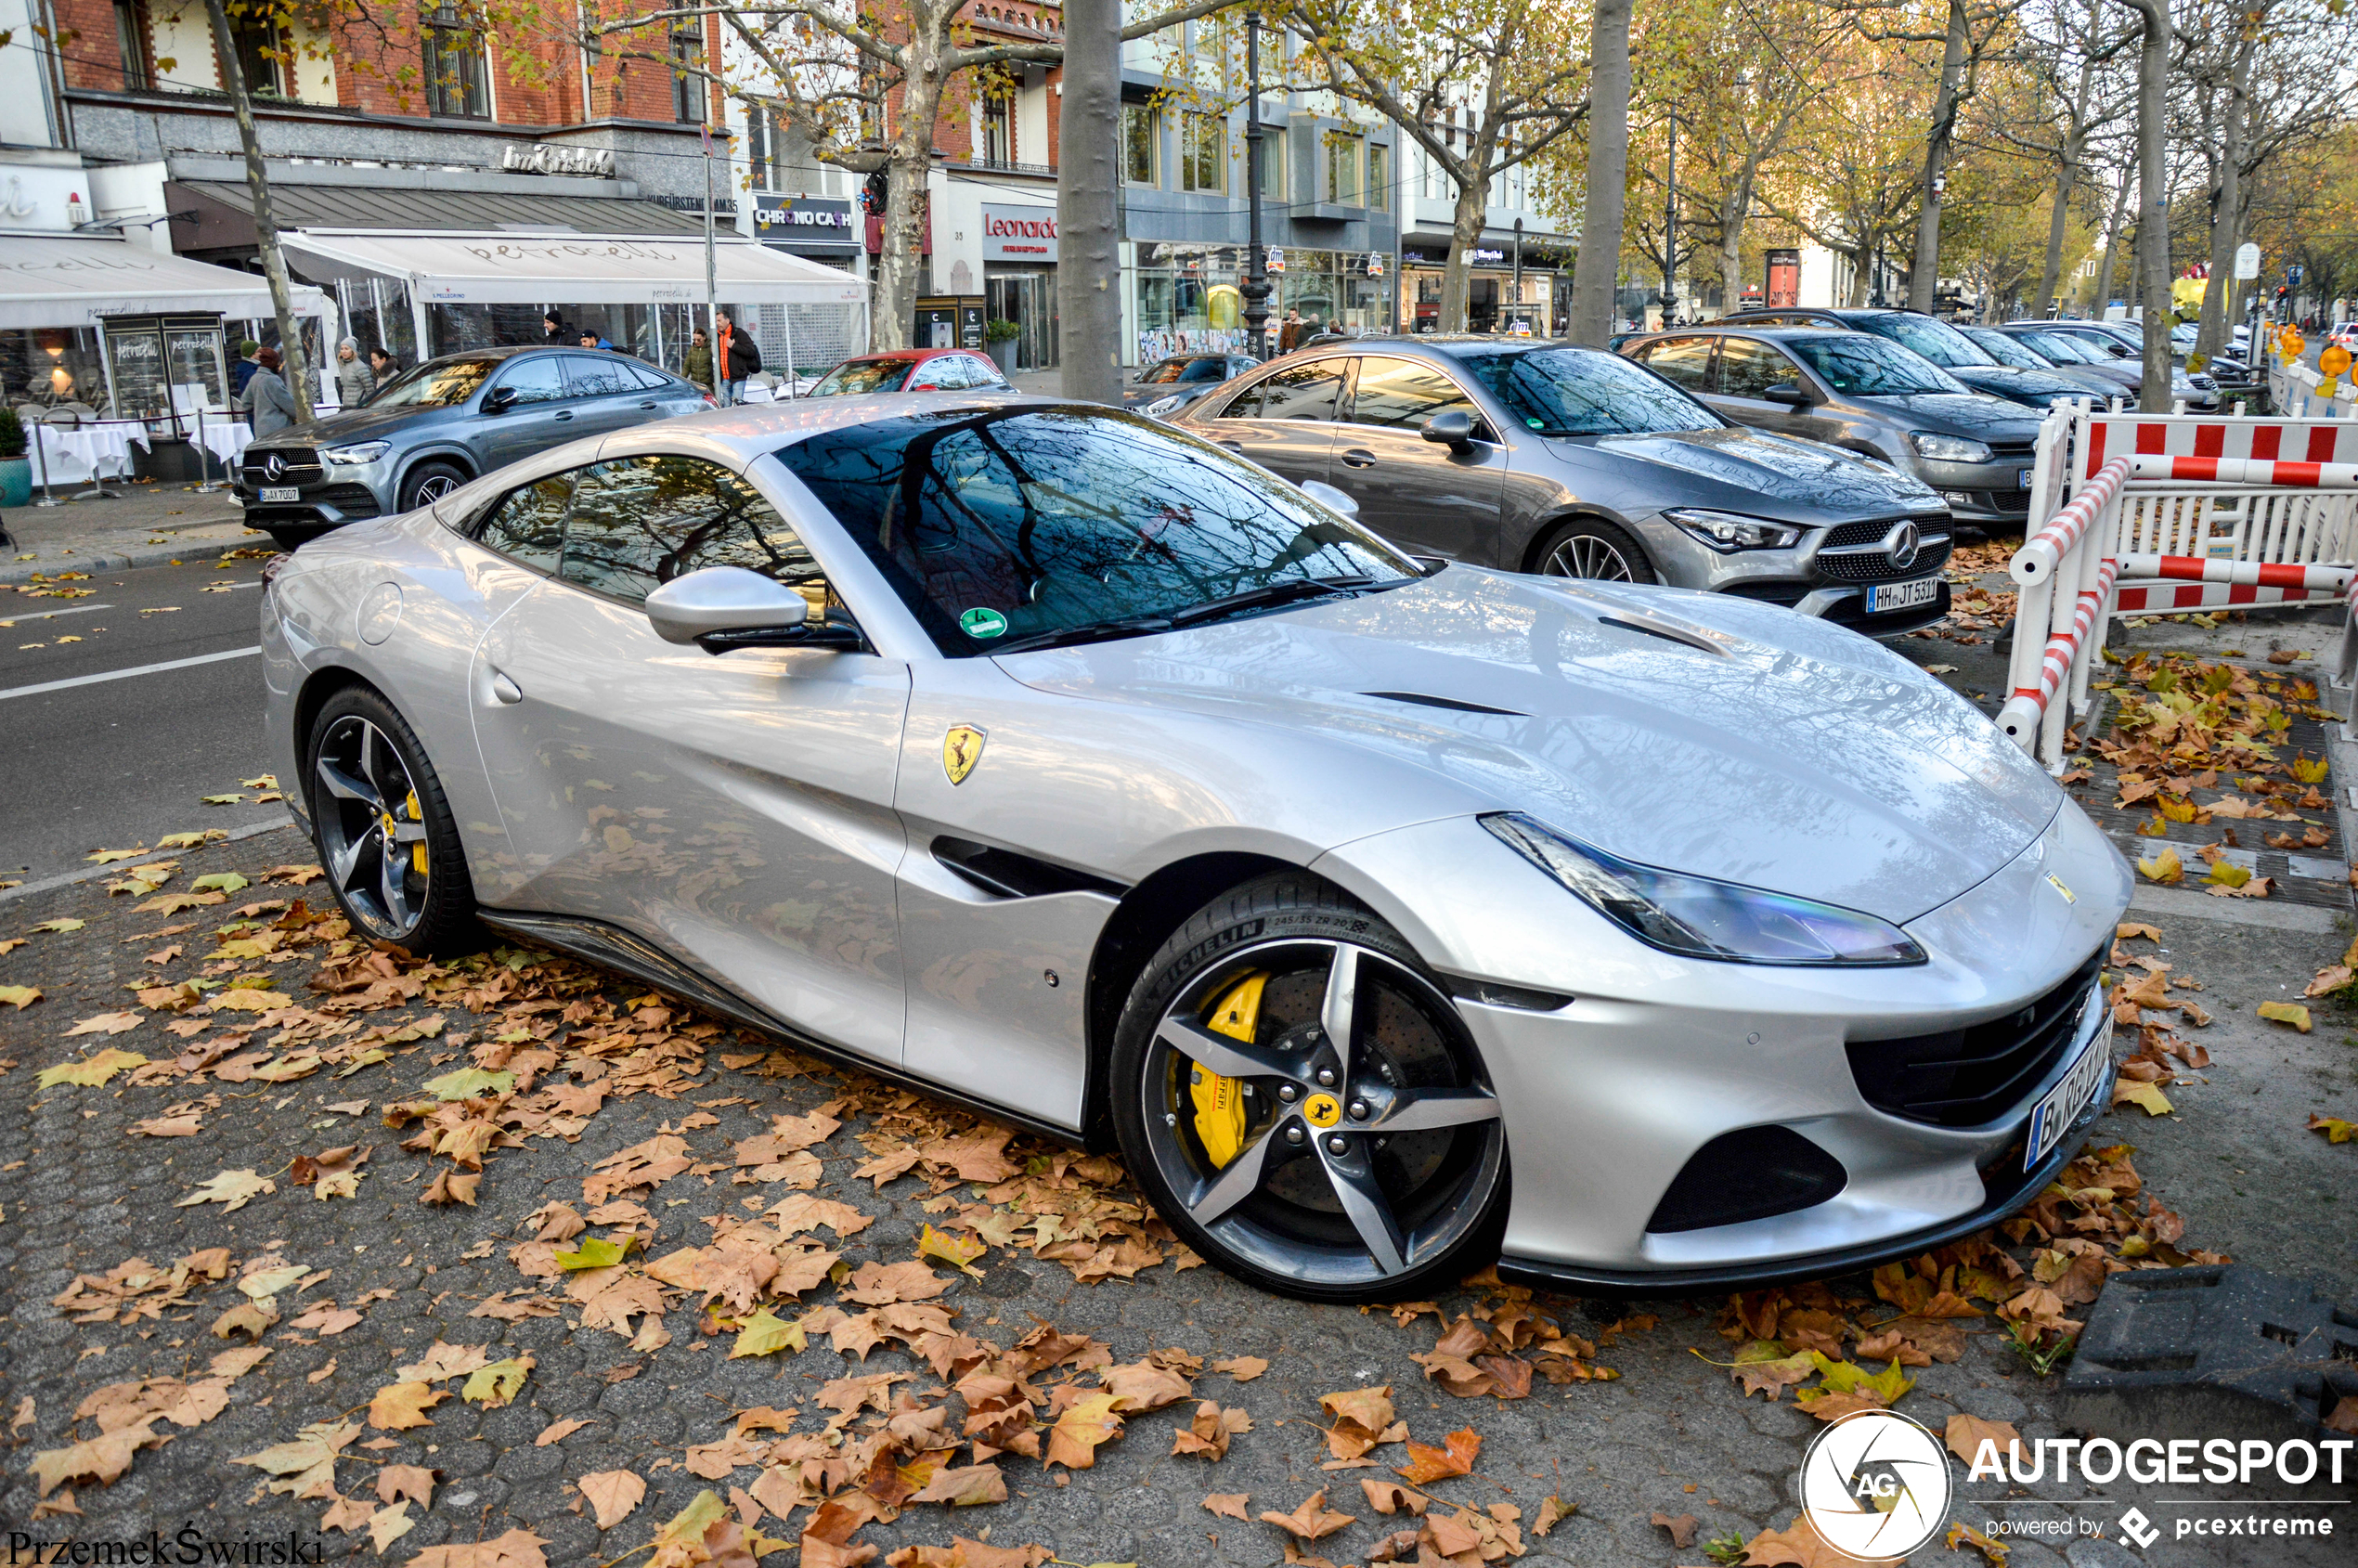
<point>242,372</point>
<point>739,356</point>
<point>354,381</point>
<point>384,366</point>
<point>591,339</point>
<point>699,363</point>
<point>1290,331</point>
<point>269,406</point>
<point>553,327</point>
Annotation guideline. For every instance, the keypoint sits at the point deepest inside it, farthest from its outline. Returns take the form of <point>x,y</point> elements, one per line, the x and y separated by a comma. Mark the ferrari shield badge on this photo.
<point>960,749</point>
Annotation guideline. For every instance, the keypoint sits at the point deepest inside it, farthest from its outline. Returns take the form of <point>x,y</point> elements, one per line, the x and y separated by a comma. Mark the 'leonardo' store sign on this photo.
<point>1027,234</point>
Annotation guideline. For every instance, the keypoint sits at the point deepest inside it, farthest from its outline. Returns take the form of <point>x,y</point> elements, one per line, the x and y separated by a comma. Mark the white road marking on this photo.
<point>52,614</point>
<point>125,674</point>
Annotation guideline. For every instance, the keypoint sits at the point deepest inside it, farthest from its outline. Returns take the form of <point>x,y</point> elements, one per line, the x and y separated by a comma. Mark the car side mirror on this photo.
<point>1452,428</point>
<point>1788,393</point>
<point>1331,498</point>
<point>499,399</point>
<point>722,607</point>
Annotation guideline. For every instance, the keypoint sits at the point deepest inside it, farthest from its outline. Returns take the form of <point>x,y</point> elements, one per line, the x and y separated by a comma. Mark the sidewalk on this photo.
<point>150,525</point>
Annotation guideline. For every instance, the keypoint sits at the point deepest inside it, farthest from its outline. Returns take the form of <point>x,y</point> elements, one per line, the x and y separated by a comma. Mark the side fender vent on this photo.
<point>1013,875</point>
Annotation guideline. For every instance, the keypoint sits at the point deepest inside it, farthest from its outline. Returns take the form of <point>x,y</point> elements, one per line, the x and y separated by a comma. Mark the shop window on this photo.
<point>761,149</point>
<point>1380,178</point>
<point>1344,156</point>
<point>687,93</point>
<point>1140,144</point>
<point>455,67</point>
<point>132,41</point>
<point>1203,158</point>
<point>1273,162</point>
<point>999,130</point>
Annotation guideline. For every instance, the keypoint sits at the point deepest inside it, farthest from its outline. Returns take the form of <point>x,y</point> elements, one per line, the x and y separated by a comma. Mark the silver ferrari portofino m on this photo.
<point>1062,764</point>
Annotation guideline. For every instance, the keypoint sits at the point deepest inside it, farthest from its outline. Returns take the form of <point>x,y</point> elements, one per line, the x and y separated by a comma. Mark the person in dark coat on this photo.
<point>740,356</point>
<point>553,327</point>
<point>242,372</point>
<point>269,406</point>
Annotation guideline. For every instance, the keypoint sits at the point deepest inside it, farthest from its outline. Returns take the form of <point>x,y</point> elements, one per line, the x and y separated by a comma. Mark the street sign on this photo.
<point>1276,262</point>
<point>1374,264</point>
<point>2247,260</point>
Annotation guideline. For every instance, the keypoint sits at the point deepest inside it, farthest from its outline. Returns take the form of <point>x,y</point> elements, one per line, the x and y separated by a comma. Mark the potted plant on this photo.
<point>16,469</point>
<point>1000,335</point>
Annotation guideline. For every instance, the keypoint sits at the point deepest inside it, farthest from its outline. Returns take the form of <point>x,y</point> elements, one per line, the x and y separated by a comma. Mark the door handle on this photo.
<point>648,403</point>
<point>504,689</point>
<point>1238,447</point>
<point>564,414</point>
<point>1358,457</point>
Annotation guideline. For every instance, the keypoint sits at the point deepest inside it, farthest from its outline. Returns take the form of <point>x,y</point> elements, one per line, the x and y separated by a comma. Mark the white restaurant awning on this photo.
<point>442,268</point>
<point>70,280</point>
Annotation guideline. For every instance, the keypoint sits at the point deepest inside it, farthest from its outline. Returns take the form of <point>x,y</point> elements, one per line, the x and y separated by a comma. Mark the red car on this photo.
<point>911,369</point>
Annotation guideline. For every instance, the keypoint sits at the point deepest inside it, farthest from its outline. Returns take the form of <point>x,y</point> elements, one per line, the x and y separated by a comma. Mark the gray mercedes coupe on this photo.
<point>1386,917</point>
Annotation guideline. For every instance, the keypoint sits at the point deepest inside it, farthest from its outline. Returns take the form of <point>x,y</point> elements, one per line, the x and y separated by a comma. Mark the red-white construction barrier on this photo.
<point>2246,471</point>
<point>2264,573</point>
<point>2168,514</point>
<point>2039,554</point>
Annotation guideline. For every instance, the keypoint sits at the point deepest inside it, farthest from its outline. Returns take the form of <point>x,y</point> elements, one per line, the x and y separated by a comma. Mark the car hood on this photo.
<point>1693,732</point>
<point>1760,473</point>
<point>2032,388</point>
<point>353,425</point>
<point>1961,413</point>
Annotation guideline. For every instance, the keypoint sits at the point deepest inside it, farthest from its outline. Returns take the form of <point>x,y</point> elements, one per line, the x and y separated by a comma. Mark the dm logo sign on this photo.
<point>1875,1485</point>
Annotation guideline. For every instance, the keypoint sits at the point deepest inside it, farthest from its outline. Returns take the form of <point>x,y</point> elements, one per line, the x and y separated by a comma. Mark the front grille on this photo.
<point>2010,501</point>
<point>1968,1077</point>
<point>299,465</point>
<point>1874,565</point>
<point>1843,534</point>
<point>352,501</point>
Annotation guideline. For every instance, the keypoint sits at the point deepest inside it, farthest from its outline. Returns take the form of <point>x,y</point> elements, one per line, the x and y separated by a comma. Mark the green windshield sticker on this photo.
<point>982,623</point>
<point>1535,424</point>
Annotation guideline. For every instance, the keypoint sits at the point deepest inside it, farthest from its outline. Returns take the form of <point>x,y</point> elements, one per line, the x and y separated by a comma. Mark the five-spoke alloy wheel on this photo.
<point>1306,1108</point>
<point>385,838</point>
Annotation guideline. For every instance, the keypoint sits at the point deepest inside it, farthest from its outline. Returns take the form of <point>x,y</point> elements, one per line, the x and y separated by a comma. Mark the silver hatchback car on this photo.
<point>1541,457</point>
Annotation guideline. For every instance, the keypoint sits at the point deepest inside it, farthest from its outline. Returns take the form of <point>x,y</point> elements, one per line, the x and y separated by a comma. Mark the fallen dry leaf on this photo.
<point>1311,1519</point>
<point>612,1494</point>
<point>1227,1505</point>
<point>1428,1465</point>
<point>1682,1529</point>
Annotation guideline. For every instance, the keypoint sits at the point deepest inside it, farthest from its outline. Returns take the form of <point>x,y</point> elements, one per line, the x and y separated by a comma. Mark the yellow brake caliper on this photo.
<point>417,850</point>
<point>1220,1104</point>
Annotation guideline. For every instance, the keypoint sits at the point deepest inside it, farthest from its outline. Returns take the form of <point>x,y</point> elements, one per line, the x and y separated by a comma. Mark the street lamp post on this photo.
<point>1518,310</point>
<point>1670,231</point>
<point>1256,284</point>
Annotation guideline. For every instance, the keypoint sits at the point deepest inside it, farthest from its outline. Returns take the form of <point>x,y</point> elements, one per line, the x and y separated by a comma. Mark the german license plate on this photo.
<point>282,493</point>
<point>2064,1103</point>
<point>2022,478</point>
<point>1900,596</point>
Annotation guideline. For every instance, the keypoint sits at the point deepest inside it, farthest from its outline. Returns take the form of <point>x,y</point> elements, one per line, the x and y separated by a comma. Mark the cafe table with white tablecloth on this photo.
<point>77,454</point>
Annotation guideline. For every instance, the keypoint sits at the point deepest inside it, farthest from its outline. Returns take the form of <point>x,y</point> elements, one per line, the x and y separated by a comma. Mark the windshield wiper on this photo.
<point>1093,631</point>
<point>1268,595</point>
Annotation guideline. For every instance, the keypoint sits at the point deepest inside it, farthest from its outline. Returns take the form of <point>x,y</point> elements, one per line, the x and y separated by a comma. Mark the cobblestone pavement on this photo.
<point>362,1283</point>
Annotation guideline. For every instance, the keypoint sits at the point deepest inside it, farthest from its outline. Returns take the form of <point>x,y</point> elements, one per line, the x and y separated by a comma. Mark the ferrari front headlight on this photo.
<point>1698,918</point>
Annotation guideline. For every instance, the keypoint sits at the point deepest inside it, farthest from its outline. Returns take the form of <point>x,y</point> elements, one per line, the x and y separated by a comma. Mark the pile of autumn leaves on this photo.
<point>2216,728</point>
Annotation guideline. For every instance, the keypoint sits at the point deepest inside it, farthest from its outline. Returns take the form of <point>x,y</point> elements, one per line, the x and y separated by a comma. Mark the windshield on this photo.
<point>2059,348</point>
<point>1936,341</point>
<point>436,385</point>
<point>1581,392</point>
<point>1002,526</point>
<point>2003,349</point>
<point>863,375</point>
<point>1857,364</point>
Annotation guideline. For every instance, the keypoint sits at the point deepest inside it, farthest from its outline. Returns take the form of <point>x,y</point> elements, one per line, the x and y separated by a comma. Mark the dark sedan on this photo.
<point>1867,394</point>
<point>1168,385</point>
<point>431,429</point>
<point>1540,456</point>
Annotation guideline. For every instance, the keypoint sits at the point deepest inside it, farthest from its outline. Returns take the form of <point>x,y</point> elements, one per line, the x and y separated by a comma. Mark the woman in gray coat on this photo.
<point>269,406</point>
<point>354,381</point>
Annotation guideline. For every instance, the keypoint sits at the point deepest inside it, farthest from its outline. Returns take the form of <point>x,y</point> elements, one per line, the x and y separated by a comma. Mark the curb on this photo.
<point>67,879</point>
<point>104,559</point>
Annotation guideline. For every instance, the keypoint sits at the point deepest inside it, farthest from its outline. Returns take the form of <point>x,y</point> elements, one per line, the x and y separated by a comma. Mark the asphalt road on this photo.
<point>127,752</point>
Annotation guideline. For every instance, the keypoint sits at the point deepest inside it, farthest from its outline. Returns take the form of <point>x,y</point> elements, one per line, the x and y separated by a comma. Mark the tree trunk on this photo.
<point>2152,199</point>
<point>2226,215</point>
<point>1465,235</point>
<point>901,263</point>
<point>1924,278</point>
<point>1088,202</point>
<point>2052,273</point>
<point>2112,241</point>
<point>1597,268</point>
<point>266,227</point>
